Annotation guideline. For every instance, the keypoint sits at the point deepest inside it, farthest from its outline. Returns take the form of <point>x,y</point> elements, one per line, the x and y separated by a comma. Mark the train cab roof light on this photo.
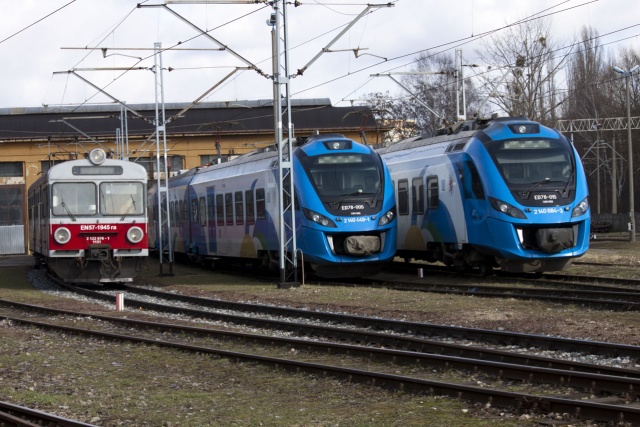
<point>97,156</point>
<point>344,144</point>
<point>525,128</point>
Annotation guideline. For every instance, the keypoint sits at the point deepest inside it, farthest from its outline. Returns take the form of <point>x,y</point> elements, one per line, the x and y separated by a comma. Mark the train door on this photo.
<point>475,206</point>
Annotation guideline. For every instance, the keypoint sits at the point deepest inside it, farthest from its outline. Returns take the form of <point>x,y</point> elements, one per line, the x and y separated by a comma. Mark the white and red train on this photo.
<point>88,219</point>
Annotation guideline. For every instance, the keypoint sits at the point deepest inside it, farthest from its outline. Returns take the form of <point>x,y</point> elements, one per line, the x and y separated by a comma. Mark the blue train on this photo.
<point>506,193</point>
<point>344,206</point>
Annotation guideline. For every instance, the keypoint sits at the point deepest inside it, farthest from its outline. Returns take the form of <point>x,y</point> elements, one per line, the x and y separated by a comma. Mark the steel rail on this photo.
<point>580,409</point>
<point>21,416</point>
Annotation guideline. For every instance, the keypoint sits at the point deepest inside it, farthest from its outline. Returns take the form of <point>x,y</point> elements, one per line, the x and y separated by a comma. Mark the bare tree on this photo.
<point>430,99</point>
<point>529,60</point>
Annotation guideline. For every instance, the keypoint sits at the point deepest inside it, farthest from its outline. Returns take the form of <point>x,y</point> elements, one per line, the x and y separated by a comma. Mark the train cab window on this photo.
<point>417,195</point>
<point>239,208</point>
<point>261,207</point>
<point>69,199</point>
<point>219,209</point>
<point>203,209</point>
<point>403,197</point>
<point>228,207</point>
<point>249,208</point>
<point>433,198</point>
<point>471,181</point>
<point>121,198</point>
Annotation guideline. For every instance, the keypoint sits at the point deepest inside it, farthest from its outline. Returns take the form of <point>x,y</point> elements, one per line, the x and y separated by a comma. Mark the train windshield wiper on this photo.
<point>344,196</point>
<point>571,178</point>
<point>66,208</point>
<point>132,204</point>
<point>539,183</point>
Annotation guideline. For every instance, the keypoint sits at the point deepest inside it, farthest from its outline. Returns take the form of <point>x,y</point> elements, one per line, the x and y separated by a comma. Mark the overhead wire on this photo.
<point>456,43</point>
<point>36,22</point>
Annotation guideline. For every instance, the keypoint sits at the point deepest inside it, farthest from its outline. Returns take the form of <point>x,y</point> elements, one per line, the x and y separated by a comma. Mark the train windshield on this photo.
<point>121,198</point>
<point>533,162</point>
<point>344,174</point>
<point>79,198</point>
<point>70,199</point>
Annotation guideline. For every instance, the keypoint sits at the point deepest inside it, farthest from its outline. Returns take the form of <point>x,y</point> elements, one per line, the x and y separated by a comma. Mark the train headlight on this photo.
<point>581,208</point>
<point>135,234</point>
<point>62,235</point>
<point>387,218</point>
<point>506,208</point>
<point>97,156</point>
<point>319,218</point>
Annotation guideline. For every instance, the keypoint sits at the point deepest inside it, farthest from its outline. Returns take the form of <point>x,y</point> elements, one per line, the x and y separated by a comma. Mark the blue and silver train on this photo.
<point>506,193</point>
<point>343,198</point>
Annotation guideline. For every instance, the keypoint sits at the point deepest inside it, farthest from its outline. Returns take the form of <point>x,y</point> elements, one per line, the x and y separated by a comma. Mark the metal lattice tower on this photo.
<point>162,171</point>
<point>288,249</point>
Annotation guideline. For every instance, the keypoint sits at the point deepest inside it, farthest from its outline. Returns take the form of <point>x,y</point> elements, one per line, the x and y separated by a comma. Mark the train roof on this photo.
<point>457,133</point>
<point>421,141</point>
<point>64,170</point>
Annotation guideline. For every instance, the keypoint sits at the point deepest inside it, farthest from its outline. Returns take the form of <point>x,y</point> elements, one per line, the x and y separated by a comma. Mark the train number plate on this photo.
<point>543,211</point>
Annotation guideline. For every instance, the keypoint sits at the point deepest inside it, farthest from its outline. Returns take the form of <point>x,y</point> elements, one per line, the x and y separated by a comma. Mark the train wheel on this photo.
<point>486,269</point>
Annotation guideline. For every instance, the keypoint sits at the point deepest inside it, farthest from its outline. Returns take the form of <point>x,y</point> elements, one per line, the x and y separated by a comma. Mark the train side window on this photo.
<point>210,208</point>
<point>417,195</point>
<point>433,198</point>
<point>203,212</point>
<point>228,202</point>
<point>44,199</point>
<point>172,215</point>
<point>220,209</point>
<point>239,208</point>
<point>403,197</point>
<point>249,208</point>
<point>261,208</point>
<point>194,211</point>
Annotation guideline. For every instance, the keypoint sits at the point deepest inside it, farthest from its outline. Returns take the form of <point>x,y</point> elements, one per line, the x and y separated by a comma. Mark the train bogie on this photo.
<point>508,193</point>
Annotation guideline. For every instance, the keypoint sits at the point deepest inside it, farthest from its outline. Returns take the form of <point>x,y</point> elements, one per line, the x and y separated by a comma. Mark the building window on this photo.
<point>212,159</point>
<point>11,205</point>
<point>11,169</point>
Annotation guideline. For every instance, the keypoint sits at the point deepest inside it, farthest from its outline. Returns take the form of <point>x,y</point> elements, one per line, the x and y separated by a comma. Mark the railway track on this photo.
<point>624,387</point>
<point>597,292</point>
<point>408,345</point>
<point>20,416</point>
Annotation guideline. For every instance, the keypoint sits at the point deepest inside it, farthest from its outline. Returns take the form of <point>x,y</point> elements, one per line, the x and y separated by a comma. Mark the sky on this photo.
<point>60,53</point>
